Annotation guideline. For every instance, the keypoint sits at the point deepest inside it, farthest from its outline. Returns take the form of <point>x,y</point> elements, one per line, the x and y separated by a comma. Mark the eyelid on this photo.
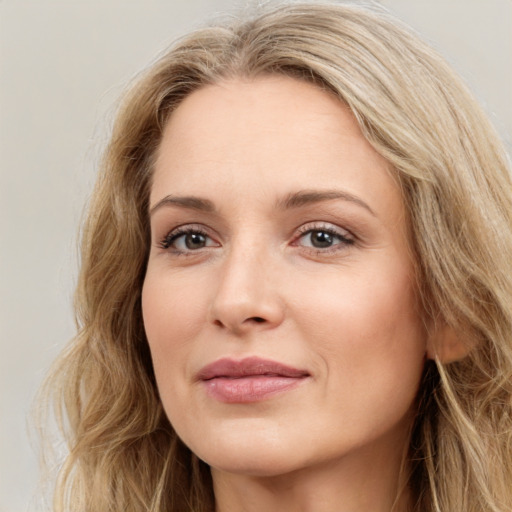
<point>181,230</point>
<point>345,237</point>
<point>326,226</point>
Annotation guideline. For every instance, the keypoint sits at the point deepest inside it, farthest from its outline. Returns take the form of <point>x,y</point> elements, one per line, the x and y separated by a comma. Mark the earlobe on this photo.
<point>447,345</point>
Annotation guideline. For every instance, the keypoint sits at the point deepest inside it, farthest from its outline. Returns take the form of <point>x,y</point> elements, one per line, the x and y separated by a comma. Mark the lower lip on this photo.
<point>249,389</point>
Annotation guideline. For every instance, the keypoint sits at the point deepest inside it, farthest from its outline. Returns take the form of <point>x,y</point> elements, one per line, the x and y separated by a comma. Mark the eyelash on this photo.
<point>170,238</point>
<point>343,236</point>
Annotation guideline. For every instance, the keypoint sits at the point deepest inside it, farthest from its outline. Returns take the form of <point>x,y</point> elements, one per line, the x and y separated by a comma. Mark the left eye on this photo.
<point>322,239</point>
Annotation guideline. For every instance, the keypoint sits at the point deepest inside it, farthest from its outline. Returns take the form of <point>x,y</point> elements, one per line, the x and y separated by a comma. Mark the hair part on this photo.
<point>456,185</point>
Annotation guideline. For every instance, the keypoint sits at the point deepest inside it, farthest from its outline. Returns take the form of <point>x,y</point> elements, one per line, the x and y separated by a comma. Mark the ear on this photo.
<point>446,345</point>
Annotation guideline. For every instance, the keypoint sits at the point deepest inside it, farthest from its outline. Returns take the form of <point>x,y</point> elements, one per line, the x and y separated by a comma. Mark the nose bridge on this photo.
<point>247,295</point>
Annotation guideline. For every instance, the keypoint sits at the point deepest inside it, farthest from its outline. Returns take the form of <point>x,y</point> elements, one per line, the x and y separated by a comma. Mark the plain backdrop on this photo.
<point>62,67</point>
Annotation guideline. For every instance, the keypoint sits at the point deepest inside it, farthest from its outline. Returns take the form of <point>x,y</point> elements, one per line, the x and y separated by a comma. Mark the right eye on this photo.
<point>184,240</point>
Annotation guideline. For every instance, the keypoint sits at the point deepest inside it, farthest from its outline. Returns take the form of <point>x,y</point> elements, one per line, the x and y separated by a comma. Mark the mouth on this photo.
<point>249,380</point>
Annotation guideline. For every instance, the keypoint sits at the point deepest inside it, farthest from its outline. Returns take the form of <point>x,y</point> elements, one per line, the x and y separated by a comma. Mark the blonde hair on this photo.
<point>123,453</point>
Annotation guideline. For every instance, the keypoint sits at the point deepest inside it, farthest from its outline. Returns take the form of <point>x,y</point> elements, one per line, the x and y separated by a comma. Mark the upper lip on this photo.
<point>250,366</point>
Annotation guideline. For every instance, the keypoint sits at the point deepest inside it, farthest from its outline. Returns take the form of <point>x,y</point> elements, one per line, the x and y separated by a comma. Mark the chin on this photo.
<point>260,453</point>
<point>262,465</point>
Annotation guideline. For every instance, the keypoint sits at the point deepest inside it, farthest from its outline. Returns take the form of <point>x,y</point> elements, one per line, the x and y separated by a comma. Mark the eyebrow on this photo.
<point>291,201</point>
<point>188,202</point>
<point>307,197</point>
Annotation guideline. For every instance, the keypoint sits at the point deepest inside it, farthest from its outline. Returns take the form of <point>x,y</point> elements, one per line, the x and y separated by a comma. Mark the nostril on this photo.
<point>255,319</point>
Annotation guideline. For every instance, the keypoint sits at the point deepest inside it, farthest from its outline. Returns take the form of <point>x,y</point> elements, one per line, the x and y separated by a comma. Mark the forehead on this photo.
<point>269,136</point>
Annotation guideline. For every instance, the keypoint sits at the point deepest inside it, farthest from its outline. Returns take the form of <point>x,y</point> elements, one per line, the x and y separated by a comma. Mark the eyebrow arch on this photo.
<point>292,200</point>
<point>306,197</point>
<point>188,202</point>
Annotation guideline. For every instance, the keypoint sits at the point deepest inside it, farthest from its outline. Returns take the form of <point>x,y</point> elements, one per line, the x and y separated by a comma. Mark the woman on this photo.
<point>295,287</point>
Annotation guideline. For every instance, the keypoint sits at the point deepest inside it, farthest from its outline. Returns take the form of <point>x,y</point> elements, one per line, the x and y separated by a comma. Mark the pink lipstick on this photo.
<point>249,380</point>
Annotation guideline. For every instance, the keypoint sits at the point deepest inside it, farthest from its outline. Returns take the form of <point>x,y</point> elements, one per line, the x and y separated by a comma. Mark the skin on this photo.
<point>256,285</point>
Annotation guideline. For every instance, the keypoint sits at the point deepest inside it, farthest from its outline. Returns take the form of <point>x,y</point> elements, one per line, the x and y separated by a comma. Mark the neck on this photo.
<point>357,482</point>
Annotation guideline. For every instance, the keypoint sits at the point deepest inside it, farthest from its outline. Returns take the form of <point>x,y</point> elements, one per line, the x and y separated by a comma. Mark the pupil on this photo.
<point>321,239</point>
<point>195,241</point>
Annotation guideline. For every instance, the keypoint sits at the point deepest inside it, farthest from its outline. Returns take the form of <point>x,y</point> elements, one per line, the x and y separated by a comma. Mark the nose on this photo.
<point>247,297</point>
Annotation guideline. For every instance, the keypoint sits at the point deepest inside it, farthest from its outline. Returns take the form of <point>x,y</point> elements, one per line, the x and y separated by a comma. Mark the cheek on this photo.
<point>170,309</point>
<point>359,308</point>
<point>172,319</point>
<point>368,333</point>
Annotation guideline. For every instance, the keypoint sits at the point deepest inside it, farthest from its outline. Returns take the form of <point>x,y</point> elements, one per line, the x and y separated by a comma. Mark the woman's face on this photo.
<point>279,300</point>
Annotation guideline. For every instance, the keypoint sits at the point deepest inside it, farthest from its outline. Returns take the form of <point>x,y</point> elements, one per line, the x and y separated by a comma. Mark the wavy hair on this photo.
<point>456,185</point>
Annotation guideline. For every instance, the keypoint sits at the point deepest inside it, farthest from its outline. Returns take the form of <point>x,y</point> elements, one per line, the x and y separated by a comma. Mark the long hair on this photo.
<point>456,186</point>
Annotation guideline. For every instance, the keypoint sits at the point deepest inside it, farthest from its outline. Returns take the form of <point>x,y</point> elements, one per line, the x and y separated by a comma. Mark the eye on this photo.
<point>323,238</point>
<point>185,239</point>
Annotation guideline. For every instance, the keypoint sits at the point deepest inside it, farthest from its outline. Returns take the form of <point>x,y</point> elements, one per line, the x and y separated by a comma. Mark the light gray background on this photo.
<point>62,65</point>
